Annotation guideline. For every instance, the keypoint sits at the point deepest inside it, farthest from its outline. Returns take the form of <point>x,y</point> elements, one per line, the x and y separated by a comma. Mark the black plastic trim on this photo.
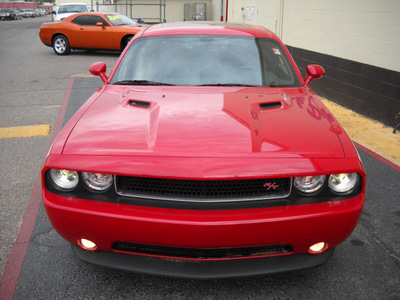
<point>201,253</point>
<point>204,269</point>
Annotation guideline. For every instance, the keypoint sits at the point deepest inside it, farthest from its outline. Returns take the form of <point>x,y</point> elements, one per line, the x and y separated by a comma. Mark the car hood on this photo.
<point>205,122</point>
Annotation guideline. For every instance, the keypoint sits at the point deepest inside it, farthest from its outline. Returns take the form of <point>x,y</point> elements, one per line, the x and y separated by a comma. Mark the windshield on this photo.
<point>118,20</point>
<point>206,60</point>
<point>72,9</point>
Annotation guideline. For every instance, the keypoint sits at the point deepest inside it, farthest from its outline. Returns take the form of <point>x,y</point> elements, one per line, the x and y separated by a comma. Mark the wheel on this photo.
<point>125,41</point>
<point>61,45</point>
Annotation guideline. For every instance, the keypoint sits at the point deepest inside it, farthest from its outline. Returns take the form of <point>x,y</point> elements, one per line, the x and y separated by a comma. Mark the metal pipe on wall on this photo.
<point>226,14</point>
<point>222,10</point>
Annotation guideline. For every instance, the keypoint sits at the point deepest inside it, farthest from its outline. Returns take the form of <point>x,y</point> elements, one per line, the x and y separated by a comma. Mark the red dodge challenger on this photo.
<point>205,154</point>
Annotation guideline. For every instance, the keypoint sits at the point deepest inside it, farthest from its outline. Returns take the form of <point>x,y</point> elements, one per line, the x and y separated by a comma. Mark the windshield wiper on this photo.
<point>140,82</point>
<point>228,84</point>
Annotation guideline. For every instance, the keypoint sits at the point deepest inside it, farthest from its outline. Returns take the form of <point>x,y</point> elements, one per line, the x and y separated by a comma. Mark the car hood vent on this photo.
<point>270,105</point>
<point>139,103</point>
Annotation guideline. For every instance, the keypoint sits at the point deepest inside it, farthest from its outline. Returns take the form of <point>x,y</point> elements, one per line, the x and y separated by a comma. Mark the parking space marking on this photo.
<point>9,279</point>
<point>51,106</point>
<point>24,131</point>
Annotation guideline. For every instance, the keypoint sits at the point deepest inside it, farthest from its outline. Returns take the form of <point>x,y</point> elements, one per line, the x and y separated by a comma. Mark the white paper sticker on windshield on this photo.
<point>276,51</point>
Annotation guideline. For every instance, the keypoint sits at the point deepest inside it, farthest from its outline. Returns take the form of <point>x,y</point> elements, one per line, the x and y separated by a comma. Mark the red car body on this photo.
<point>190,135</point>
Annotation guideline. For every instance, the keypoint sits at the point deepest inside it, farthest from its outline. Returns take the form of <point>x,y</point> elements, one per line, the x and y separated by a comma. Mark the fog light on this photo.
<point>318,248</point>
<point>87,244</point>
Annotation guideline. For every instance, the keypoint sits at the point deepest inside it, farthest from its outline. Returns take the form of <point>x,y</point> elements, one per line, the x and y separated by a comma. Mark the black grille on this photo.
<point>203,190</point>
<point>195,253</point>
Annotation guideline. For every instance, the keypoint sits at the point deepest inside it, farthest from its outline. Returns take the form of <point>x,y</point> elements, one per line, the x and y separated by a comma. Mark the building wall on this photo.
<point>355,41</point>
<point>175,9</point>
<point>216,9</point>
<point>149,10</point>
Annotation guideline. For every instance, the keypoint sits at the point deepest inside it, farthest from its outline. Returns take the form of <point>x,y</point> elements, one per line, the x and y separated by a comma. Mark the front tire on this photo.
<point>125,41</point>
<point>61,45</point>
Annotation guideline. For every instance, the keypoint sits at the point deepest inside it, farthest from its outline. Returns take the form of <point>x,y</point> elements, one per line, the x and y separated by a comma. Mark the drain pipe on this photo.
<point>222,10</point>
<point>226,14</point>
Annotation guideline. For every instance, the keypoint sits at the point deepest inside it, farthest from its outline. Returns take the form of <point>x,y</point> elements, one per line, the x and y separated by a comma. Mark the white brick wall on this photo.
<point>367,31</point>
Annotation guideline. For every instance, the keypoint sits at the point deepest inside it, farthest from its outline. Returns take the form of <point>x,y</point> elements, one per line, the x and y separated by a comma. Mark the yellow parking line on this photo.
<point>24,131</point>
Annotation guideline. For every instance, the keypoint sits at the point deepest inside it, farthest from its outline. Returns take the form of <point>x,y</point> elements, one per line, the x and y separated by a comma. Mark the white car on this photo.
<point>67,9</point>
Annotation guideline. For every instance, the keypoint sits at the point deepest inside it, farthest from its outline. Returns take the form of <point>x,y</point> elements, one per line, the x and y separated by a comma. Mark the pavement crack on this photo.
<point>371,233</point>
<point>387,250</point>
<point>44,238</point>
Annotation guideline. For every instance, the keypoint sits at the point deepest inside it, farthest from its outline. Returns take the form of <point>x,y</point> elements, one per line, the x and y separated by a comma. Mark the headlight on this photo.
<point>309,184</point>
<point>343,183</point>
<point>64,180</point>
<point>97,181</point>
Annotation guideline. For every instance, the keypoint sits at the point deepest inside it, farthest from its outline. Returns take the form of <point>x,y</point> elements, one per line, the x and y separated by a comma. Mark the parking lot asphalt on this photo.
<point>366,266</point>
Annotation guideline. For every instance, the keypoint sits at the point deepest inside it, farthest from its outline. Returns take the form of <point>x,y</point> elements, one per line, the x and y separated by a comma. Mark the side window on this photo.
<point>277,69</point>
<point>89,21</point>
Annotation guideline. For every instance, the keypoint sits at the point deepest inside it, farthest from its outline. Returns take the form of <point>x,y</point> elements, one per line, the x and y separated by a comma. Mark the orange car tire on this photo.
<point>61,45</point>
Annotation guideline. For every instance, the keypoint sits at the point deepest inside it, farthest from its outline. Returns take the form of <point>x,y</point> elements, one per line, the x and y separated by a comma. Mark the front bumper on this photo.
<point>299,226</point>
<point>202,269</point>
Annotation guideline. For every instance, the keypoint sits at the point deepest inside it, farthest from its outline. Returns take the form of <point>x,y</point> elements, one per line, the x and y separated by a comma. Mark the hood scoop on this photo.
<point>269,105</point>
<point>139,103</point>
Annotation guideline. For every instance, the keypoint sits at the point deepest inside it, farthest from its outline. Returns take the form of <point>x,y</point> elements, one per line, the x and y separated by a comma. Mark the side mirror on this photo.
<point>99,69</point>
<point>100,24</point>
<point>314,72</point>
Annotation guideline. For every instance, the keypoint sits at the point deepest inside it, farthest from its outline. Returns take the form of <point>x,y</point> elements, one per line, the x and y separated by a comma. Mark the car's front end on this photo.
<point>208,179</point>
<point>172,221</point>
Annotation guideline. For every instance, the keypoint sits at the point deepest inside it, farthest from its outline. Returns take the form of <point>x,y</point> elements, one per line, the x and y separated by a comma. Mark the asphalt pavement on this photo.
<point>42,265</point>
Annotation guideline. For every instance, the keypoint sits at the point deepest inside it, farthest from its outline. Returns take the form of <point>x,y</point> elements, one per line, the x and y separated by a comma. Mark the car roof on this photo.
<point>73,3</point>
<point>213,28</point>
<point>88,13</point>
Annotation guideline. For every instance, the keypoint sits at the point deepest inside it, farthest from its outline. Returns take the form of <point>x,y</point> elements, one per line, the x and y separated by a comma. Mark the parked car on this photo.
<point>205,154</point>
<point>43,11</point>
<point>28,13</point>
<point>18,14</point>
<point>7,14</point>
<point>68,9</point>
<point>23,13</point>
<point>105,31</point>
<point>38,12</point>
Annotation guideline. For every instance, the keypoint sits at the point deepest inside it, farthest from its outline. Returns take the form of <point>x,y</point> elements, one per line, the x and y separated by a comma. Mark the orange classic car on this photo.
<point>96,31</point>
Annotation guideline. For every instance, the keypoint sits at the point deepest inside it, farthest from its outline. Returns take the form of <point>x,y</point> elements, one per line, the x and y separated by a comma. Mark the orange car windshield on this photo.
<point>118,20</point>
